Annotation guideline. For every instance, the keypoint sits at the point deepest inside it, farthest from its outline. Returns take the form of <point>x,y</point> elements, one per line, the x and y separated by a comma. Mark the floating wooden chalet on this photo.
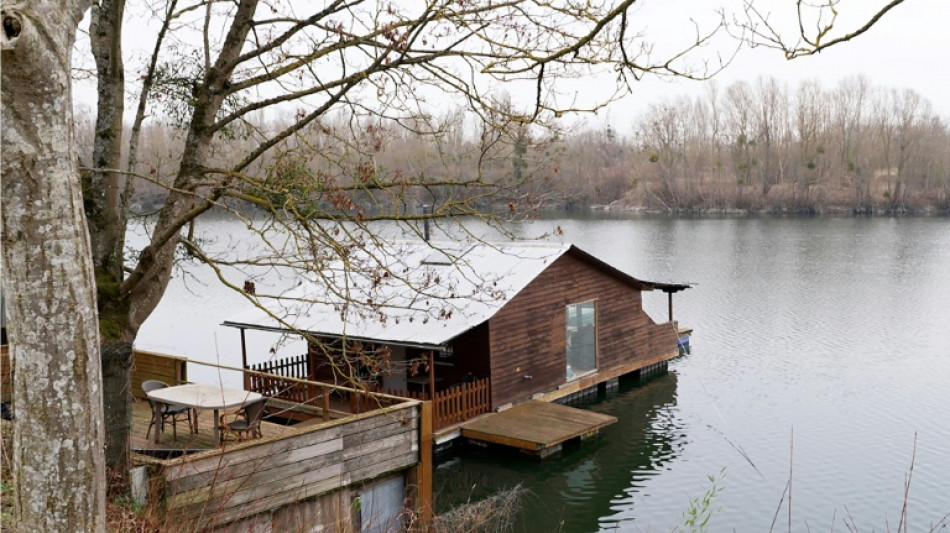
<point>474,328</point>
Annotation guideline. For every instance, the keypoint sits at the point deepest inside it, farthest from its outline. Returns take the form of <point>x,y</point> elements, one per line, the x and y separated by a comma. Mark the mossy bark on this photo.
<point>117,408</point>
<point>116,349</point>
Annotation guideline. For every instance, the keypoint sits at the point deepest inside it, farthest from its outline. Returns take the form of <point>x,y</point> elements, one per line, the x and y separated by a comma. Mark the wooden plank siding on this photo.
<point>218,487</point>
<point>149,365</point>
<point>528,336</point>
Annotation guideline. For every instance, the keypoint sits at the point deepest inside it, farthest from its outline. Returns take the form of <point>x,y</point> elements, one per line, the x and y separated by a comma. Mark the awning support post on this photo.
<point>431,375</point>
<point>247,377</point>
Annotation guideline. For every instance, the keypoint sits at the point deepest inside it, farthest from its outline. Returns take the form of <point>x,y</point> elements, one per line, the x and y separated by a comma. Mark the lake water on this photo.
<point>820,349</point>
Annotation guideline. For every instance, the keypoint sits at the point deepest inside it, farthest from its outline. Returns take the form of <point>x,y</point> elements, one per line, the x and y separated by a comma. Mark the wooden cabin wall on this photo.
<point>528,336</point>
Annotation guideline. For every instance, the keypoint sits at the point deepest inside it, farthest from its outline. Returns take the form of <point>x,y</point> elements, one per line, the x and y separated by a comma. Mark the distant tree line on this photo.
<point>754,146</point>
<point>762,146</point>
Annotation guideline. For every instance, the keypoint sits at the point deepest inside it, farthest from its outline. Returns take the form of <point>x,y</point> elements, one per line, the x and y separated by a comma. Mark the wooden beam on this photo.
<point>670,296</point>
<point>424,503</point>
<point>431,375</point>
<point>247,377</point>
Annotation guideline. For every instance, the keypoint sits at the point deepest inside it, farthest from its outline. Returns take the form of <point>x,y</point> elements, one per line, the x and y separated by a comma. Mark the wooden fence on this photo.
<point>461,402</point>
<point>274,387</point>
<point>292,367</point>
<point>455,404</point>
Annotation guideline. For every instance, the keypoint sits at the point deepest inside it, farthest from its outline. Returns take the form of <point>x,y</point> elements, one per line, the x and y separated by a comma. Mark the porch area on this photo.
<point>293,380</point>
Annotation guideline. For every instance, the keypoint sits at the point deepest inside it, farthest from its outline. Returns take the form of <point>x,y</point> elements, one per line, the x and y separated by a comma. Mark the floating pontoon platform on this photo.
<point>536,427</point>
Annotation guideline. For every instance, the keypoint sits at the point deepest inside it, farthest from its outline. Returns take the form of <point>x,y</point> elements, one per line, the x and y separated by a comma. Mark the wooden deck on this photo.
<point>537,427</point>
<point>203,440</point>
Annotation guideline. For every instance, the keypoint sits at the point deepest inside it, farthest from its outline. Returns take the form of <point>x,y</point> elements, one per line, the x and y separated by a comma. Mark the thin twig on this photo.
<point>791,460</point>
<point>902,525</point>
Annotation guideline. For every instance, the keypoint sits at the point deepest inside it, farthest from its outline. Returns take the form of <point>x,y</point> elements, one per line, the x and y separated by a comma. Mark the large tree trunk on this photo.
<point>59,469</point>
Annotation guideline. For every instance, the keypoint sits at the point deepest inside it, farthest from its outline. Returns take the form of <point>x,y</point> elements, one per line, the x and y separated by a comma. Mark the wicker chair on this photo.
<point>245,424</point>
<point>163,412</point>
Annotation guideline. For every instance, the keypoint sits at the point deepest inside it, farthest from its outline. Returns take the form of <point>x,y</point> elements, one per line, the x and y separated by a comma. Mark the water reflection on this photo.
<point>588,486</point>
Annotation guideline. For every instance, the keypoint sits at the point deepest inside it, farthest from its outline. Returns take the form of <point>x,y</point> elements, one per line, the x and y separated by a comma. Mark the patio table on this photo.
<point>204,396</point>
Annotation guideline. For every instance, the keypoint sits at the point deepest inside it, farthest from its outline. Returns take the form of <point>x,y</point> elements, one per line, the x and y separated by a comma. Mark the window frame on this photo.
<point>593,302</point>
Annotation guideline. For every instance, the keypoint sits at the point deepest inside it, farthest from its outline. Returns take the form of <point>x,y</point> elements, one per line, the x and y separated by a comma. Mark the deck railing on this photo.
<point>292,367</point>
<point>461,402</point>
<point>455,404</point>
<point>274,387</point>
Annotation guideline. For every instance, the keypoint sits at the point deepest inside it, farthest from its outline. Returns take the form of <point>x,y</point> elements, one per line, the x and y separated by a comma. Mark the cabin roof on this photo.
<point>416,293</point>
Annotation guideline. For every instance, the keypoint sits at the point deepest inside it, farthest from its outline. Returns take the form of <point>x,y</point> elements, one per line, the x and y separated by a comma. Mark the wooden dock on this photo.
<point>536,427</point>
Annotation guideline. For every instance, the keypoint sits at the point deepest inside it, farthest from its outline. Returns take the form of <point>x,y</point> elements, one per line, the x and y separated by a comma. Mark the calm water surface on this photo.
<point>820,347</point>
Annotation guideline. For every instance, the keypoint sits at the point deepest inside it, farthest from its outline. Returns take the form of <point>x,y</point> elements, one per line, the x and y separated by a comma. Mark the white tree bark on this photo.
<point>48,283</point>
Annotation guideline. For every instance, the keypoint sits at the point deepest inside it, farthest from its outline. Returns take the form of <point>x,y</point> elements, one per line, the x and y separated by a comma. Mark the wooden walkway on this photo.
<point>539,428</point>
<point>203,440</point>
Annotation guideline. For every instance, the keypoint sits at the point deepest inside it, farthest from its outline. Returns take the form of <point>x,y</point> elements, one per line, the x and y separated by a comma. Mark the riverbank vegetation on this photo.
<point>758,146</point>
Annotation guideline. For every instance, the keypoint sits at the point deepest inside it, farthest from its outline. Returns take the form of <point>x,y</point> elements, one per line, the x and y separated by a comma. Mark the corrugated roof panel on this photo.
<point>393,292</point>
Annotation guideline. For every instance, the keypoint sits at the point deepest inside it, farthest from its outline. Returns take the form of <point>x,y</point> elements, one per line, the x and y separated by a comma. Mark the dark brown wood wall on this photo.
<point>528,336</point>
<point>6,375</point>
<point>470,354</point>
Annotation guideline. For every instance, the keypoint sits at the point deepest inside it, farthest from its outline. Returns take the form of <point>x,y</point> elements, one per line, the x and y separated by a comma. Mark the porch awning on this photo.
<point>405,293</point>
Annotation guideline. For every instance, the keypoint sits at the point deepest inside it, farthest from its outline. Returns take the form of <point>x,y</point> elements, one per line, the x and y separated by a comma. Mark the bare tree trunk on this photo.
<point>107,215</point>
<point>58,466</point>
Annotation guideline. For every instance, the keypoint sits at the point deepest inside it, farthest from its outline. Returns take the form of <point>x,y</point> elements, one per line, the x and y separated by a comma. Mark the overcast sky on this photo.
<point>909,47</point>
